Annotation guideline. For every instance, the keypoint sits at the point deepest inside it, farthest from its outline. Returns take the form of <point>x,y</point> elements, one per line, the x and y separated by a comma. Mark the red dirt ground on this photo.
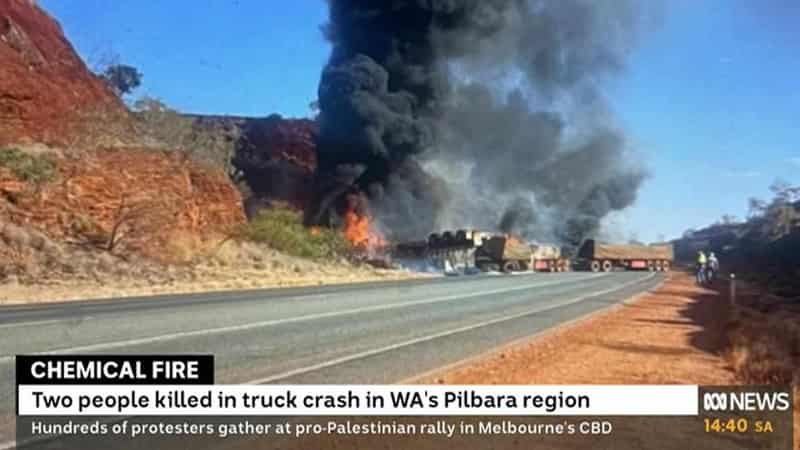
<point>672,336</point>
<point>677,334</point>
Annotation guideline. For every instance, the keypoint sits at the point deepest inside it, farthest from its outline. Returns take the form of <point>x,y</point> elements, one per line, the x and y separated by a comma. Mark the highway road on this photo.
<point>366,333</point>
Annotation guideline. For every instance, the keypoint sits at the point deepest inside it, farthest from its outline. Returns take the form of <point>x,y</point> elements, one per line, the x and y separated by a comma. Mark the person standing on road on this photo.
<point>713,267</point>
<point>701,267</point>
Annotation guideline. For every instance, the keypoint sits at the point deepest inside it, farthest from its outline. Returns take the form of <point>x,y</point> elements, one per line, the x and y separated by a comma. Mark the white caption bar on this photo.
<point>357,400</point>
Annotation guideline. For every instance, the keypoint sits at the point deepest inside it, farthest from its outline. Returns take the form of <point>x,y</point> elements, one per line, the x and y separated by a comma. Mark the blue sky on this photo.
<point>710,98</point>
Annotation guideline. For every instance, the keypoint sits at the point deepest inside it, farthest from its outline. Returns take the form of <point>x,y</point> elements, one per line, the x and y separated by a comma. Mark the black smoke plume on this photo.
<point>475,113</point>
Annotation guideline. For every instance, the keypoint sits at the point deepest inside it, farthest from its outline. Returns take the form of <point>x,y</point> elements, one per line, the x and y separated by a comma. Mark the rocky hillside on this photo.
<point>147,197</point>
<point>273,158</point>
<point>45,88</point>
<point>69,165</point>
<point>97,200</point>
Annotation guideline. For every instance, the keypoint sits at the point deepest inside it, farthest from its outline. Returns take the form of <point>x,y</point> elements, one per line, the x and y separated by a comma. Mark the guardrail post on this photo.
<point>732,292</point>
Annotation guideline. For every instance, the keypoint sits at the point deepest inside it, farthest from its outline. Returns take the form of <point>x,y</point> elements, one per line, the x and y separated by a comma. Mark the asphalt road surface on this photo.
<point>368,333</point>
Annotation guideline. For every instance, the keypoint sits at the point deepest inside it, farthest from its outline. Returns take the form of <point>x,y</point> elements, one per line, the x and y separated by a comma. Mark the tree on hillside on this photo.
<point>755,208</point>
<point>123,79</point>
<point>784,192</point>
<point>780,216</point>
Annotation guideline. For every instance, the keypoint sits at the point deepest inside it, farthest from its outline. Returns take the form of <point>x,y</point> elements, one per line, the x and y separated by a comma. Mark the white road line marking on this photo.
<point>267,323</point>
<point>527,339</point>
<point>12,444</point>
<point>34,323</point>
<point>431,337</point>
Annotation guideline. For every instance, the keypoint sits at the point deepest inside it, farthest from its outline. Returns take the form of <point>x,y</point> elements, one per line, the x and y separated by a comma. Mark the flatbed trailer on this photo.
<point>597,256</point>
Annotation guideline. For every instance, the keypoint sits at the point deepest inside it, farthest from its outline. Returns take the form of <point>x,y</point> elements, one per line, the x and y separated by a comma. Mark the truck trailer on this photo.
<point>548,258</point>
<point>452,250</point>
<point>506,253</point>
<point>486,251</point>
<point>597,256</point>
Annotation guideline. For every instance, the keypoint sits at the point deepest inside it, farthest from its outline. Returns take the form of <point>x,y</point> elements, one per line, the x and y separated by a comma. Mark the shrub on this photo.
<point>28,167</point>
<point>283,230</point>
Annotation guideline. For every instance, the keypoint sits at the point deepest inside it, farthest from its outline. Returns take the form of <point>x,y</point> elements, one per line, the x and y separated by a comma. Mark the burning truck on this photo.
<point>485,251</point>
<point>416,123</point>
<point>494,252</point>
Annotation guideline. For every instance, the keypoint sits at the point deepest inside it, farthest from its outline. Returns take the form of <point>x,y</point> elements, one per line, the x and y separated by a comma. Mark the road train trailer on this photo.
<point>454,250</point>
<point>548,258</point>
<point>597,256</point>
<point>506,253</point>
<point>485,251</point>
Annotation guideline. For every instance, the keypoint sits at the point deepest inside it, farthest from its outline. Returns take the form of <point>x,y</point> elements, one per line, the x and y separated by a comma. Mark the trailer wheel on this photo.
<point>651,266</point>
<point>510,266</point>
<point>551,266</point>
<point>595,266</point>
<point>666,266</point>
<point>607,266</point>
<point>659,266</point>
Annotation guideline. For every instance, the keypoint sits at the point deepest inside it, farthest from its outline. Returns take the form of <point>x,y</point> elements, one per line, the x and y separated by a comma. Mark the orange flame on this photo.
<point>358,229</point>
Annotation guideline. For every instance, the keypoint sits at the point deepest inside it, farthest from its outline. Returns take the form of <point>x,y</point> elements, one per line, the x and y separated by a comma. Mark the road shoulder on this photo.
<point>675,334</point>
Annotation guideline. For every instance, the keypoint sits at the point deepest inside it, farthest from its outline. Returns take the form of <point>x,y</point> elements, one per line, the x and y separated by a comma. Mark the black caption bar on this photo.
<point>115,369</point>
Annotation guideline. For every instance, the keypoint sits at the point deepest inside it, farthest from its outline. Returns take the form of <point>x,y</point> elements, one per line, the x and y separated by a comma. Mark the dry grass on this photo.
<point>764,348</point>
<point>34,268</point>
<point>186,248</point>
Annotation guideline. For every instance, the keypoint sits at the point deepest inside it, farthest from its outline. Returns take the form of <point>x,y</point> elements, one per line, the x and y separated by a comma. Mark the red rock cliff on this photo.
<point>48,96</point>
<point>44,86</point>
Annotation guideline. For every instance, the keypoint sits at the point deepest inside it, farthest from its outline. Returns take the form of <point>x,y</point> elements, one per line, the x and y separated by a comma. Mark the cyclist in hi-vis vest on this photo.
<point>701,267</point>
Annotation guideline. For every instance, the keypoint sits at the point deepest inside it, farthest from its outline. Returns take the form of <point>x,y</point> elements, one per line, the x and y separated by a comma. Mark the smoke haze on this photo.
<point>476,113</point>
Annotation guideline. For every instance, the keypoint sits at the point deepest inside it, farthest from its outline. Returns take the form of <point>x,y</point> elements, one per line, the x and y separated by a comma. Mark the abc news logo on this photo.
<point>747,401</point>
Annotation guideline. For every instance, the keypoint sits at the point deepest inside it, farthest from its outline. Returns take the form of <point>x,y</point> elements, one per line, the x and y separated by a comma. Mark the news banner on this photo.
<point>171,401</point>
